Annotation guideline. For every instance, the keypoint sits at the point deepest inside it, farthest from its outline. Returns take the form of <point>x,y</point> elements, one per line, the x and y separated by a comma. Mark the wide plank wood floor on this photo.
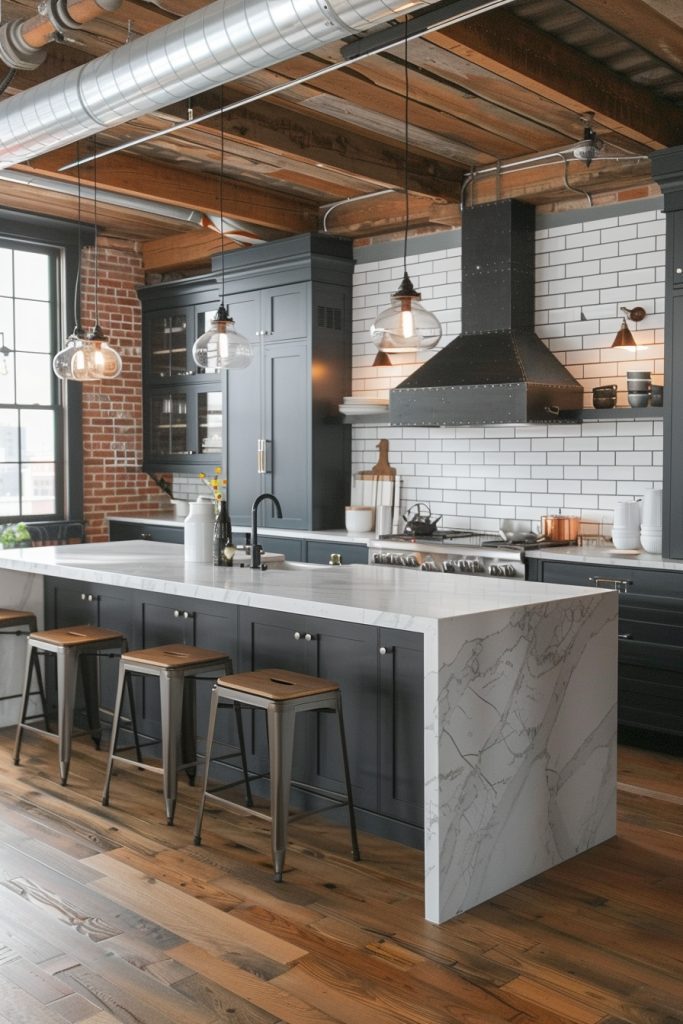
<point>109,915</point>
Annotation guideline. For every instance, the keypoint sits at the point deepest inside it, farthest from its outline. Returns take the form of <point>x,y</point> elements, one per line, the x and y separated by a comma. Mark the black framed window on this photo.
<point>31,445</point>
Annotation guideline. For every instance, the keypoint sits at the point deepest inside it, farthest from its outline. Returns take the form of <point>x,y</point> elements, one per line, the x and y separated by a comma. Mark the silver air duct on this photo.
<point>217,44</point>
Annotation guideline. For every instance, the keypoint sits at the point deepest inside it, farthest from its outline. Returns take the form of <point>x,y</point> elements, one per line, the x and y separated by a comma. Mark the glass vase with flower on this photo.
<point>223,549</point>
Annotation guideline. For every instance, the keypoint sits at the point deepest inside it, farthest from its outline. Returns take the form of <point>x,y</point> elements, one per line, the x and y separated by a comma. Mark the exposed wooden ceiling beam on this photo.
<point>186,249</point>
<point>129,174</point>
<point>537,60</point>
<point>638,21</point>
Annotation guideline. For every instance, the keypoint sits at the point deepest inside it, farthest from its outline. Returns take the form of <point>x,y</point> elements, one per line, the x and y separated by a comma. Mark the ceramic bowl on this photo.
<point>638,374</point>
<point>604,401</point>
<point>358,518</point>
<point>638,400</point>
<point>639,386</point>
<point>657,395</point>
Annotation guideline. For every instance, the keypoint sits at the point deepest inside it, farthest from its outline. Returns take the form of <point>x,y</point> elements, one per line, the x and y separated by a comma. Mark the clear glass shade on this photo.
<point>87,359</point>
<point>405,326</point>
<point>222,347</point>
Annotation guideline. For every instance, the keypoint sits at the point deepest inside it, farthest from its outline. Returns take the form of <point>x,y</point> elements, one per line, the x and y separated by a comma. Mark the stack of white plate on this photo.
<point>361,405</point>
<point>651,522</point>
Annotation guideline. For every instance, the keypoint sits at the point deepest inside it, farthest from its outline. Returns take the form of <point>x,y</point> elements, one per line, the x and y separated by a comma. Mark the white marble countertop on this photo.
<point>168,519</point>
<point>606,554</point>
<point>377,595</point>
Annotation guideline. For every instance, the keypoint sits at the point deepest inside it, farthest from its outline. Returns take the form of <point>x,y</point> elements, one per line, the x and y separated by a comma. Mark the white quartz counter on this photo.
<point>167,519</point>
<point>606,554</point>
<point>520,687</point>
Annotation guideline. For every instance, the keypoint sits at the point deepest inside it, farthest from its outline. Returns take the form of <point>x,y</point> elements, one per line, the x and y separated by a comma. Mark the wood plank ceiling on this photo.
<point>483,94</point>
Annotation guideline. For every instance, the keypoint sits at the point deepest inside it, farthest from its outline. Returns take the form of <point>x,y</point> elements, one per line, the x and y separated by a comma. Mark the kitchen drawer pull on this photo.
<point>261,455</point>
<point>145,536</point>
<point>308,637</point>
<point>625,636</point>
<point>297,635</point>
<point>87,597</point>
<point>178,613</point>
<point>608,583</point>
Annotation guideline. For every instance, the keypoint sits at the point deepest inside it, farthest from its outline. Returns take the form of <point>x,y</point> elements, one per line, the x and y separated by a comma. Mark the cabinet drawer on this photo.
<point>142,531</point>
<point>320,552</point>
<point>624,578</point>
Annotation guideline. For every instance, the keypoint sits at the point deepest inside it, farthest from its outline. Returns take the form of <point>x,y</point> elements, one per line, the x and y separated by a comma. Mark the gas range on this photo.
<point>461,552</point>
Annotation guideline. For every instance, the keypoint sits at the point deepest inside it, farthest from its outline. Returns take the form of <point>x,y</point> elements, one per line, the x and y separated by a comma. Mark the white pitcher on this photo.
<point>199,531</point>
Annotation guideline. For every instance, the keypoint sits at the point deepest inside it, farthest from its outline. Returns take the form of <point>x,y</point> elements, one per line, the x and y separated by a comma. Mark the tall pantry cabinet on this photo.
<point>292,300</point>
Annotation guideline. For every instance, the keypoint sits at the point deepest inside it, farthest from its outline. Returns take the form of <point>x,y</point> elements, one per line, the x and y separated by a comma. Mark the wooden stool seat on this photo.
<point>174,656</point>
<point>76,636</point>
<point>176,666</point>
<point>277,684</point>
<point>66,644</point>
<point>10,617</point>
<point>282,695</point>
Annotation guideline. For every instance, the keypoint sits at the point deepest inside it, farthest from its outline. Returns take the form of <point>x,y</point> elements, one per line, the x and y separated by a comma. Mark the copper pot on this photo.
<point>561,528</point>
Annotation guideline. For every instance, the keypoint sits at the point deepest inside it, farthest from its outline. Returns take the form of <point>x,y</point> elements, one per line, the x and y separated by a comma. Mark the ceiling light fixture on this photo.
<point>591,144</point>
<point>87,357</point>
<point>405,326</point>
<point>222,347</point>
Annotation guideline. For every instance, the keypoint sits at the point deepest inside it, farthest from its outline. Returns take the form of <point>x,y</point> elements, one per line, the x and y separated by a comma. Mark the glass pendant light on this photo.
<point>5,353</point>
<point>405,326</point>
<point>221,347</point>
<point>61,364</point>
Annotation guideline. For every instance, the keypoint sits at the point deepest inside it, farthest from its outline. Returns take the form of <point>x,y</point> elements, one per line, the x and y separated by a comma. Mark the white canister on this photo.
<point>652,509</point>
<point>627,515</point>
<point>199,531</point>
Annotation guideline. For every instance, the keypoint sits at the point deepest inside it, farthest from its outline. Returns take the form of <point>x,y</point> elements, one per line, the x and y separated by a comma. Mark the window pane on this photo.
<point>34,379</point>
<point>9,490</point>
<point>37,436</point>
<point>32,326</point>
<point>38,489</point>
<point>9,435</point>
<point>31,275</point>
<point>7,321</point>
<point>7,383</point>
<point>5,271</point>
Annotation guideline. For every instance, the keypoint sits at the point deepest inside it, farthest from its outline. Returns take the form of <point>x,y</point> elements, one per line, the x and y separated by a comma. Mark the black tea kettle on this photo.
<point>420,523</point>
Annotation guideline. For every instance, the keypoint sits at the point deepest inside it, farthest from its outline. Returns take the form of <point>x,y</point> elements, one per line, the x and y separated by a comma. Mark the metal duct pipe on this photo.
<point>217,44</point>
<point>22,40</point>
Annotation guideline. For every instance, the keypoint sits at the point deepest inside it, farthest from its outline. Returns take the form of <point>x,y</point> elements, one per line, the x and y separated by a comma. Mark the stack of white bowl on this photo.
<point>626,528</point>
<point>651,521</point>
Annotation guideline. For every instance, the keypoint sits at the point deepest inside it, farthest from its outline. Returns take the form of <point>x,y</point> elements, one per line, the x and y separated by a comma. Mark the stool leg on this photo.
<point>281,722</point>
<point>171,693</point>
<point>213,708</point>
<point>67,670</point>
<point>89,668</point>
<point>115,725</point>
<point>41,690</point>
<point>248,801</point>
<point>132,714</point>
<point>31,659</point>
<point>347,776</point>
<point>188,730</point>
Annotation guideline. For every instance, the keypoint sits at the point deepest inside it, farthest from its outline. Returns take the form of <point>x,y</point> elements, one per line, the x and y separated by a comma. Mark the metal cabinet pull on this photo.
<point>335,559</point>
<point>178,613</point>
<point>625,636</point>
<point>607,583</point>
<point>308,637</point>
<point>386,650</point>
<point>297,635</point>
<point>145,536</point>
<point>87,597</point>
<point>261,455</point>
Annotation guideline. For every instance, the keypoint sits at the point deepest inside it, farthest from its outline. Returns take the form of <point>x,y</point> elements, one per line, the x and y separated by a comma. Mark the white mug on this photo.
<point>627,515</point>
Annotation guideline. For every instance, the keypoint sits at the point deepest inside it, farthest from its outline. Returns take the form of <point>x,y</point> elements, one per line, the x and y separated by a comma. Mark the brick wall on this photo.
<point>586,268</point>
<point>112,410</point>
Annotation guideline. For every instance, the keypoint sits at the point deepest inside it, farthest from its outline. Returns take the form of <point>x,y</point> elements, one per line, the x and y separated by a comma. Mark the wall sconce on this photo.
<point>624,338</point>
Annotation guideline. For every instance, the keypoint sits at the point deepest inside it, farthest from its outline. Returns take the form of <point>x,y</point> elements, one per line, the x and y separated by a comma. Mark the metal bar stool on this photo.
<point>282,695</point>
<point>174,665</point>
<point>67,646</point>
<point>14,622</point>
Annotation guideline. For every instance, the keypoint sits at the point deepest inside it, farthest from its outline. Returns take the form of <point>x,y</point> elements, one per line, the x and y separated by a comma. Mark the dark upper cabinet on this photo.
<point>185,425</point>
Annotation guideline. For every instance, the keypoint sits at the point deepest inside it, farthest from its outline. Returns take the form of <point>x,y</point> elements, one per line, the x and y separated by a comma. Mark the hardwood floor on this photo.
<point>109,915</point>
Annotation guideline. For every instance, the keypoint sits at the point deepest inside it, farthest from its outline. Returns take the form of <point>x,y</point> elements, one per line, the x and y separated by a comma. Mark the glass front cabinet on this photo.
<point>184,405</point>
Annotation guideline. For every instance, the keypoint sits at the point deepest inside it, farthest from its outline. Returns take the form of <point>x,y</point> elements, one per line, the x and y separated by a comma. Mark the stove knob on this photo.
<point>449,565</point>
<point>377,558</point>
<point>494,569</point>
<point>396,559</point>
<point>385,558</point>
<point>401,559</point>
<point>509,569</point>
<point>462,564</point>
<point>412,560</point>
<point>473,565</point>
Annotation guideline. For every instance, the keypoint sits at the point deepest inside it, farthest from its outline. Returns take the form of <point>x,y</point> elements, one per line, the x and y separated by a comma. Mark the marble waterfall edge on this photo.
<point>520,747</point>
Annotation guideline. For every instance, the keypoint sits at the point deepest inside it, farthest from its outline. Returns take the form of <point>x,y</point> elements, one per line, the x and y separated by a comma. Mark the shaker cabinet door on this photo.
<point>287,432</point>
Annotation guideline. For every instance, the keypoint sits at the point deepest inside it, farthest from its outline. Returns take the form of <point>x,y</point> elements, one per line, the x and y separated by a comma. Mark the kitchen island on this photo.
<point>517,690</point>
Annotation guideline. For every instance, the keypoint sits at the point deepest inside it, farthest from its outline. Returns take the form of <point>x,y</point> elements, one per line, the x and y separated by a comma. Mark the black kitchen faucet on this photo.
<point>256,548</point>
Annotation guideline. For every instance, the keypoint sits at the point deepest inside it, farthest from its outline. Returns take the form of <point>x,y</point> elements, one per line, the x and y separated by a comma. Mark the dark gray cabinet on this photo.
<point>146,531</point>
<point>183,406</point>
<point>292,300</point>
<point>321,552</point>
<point>401,724</point>
<point>650,638</point>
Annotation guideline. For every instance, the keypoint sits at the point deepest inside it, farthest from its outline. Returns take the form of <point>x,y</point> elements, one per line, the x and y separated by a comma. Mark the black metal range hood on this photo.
<point>498,370</point>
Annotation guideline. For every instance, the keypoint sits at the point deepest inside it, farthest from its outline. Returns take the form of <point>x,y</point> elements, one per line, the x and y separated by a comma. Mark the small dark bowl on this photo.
<point>604,401</point>
<point>638,400</point>
<point>657,395</point>
<point>639,387</point>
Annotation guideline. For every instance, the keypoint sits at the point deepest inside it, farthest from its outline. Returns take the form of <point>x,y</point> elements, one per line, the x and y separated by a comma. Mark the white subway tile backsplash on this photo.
<point>475,476</point>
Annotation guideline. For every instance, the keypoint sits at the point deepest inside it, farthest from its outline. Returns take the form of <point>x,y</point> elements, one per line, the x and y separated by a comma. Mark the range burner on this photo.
<point>526,545</point>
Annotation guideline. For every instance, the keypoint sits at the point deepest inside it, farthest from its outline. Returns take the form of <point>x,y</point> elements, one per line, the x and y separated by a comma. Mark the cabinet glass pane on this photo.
<point>204,324</point>
<point>168,424</point>
<point>210,421</point>
<point>168,344</point>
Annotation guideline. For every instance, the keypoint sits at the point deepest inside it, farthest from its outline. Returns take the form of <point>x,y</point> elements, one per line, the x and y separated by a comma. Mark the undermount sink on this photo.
<point>285,566</point>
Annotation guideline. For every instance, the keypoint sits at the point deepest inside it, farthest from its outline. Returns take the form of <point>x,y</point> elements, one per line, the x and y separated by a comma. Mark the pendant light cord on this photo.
<point>79,243</point>
<point>405,147</point>
<point>220,197</point>
<point>94,185</point>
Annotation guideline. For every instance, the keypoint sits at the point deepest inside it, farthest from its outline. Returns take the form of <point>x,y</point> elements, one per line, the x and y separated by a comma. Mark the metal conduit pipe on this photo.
<point>217,44</point>
<point>22,40</point>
